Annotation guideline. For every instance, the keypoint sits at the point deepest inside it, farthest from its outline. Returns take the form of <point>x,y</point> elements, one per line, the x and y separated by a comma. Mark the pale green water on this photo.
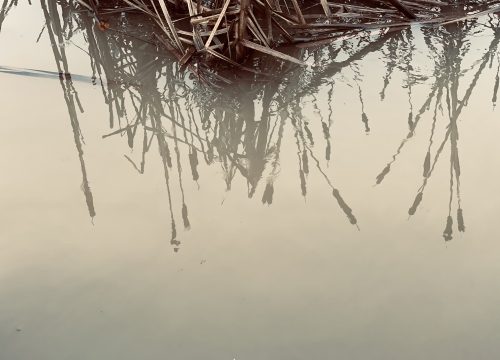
<point>97,261</point>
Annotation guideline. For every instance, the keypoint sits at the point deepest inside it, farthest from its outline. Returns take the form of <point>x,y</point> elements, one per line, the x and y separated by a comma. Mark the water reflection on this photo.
<point>4,10</point>
<point>152,99</point>
<point>448,45</point>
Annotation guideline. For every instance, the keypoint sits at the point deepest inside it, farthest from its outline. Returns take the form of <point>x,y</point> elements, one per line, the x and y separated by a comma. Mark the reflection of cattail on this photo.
<point>456,163</point>
<point>267,198</point>
<point>326,134</point>
<point>448,231</point>
<point>193,161</point>
<point>185,218</point>
<point>326,131</point>
<point>130,137</point>
<point>384,172</point>
<point>165,152</point>
<point>169,158</point>
<point>251,191</point>
<point>173,239</point>
<point>305,162</point>
<point>460,220</point>
<point>309,134</point>
<point>89,199</point>
<point>410,120</point>
<point>417,201</point>
<point>345,208</point>
<point>303,183</point>
<point>495,89</point>
<point>427,164</point>
<point>364,119</point>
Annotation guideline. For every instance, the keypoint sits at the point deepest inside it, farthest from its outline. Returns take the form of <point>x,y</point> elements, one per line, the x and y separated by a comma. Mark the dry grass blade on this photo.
<point>326,8</point>
<point>299,12</point>
<point>404,9</point>
<point>269,51</point>
<point>231,27</point>
<point>171,26</point>
<point>217,23</point>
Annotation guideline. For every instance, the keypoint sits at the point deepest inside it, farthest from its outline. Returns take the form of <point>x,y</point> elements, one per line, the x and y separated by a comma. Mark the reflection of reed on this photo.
<point>153,102</point>
<point>448,46</point>
<point>4,10</point>
<point>55,32</point>
<point>150,98</point>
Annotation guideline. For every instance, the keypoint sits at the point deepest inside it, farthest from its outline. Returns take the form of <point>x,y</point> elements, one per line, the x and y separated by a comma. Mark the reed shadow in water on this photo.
<point>448,46</point>
<point>152,99</point>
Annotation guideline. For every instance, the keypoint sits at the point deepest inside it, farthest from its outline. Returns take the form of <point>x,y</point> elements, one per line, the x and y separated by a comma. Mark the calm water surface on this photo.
<point>343,211</point>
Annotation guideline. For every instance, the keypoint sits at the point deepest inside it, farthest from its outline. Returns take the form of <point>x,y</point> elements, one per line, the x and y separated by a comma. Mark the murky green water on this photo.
<point>342,211</point>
